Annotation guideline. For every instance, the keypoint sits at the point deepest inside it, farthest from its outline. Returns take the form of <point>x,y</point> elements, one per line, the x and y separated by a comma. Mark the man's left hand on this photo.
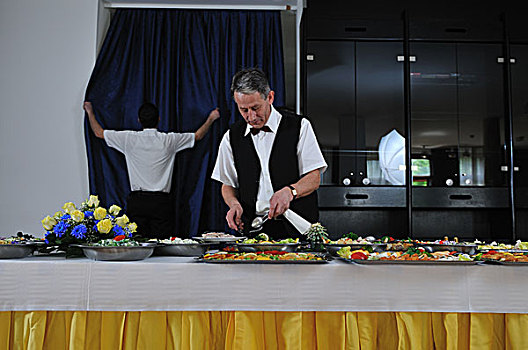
<point>280,202</point>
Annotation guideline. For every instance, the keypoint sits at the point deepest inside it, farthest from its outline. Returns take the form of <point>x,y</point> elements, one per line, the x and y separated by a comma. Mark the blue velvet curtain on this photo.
<point>182,61</point>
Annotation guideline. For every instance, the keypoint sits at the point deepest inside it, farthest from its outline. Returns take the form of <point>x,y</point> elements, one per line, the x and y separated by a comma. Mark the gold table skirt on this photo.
<point>247,330</point>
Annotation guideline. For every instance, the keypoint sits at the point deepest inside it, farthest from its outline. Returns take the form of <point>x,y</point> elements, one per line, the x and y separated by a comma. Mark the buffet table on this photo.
<point>179,303</point>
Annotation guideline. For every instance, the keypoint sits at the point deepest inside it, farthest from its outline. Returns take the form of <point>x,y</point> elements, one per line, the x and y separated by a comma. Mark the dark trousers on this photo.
<point>152,212</point>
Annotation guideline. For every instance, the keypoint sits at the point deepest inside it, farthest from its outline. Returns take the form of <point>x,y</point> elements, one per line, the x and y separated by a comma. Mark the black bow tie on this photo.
<point>255,131</point>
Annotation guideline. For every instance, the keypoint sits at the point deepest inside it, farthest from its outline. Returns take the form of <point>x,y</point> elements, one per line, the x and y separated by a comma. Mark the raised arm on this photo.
<point>96,127</point>
<point>200,133</point>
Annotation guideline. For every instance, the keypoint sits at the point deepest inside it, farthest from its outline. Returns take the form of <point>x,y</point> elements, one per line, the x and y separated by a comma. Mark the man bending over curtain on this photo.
<point>150,159</point>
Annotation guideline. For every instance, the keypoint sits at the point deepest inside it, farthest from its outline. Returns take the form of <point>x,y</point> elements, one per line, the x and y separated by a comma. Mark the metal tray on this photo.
<point>280,262</point>
<point>497,262</point>
<point>16,251</point>
<point>437,247</point>
<point>410,262</point>
<point>262,247</point>
<point>140,252</point>
<point>218,239</point>
<point>504,250</point>
<point>182,249</point>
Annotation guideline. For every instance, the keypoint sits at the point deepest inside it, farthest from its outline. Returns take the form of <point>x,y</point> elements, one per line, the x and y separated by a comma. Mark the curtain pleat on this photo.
<point>260,330</point>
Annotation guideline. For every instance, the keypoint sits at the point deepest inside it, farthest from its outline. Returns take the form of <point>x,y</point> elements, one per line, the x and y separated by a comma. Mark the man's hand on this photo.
<point>234,217</point>
<point>280,202</point>
<point>200,133</point>
<point>214,115</point>
<point>87,106</point>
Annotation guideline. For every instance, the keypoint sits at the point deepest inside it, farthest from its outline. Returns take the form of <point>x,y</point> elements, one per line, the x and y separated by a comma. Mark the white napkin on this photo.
<point>302,225</point>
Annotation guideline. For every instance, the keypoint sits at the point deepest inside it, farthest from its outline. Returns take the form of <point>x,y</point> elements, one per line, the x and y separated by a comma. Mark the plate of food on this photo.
<point>218,237</point>
<point>269,257</point>
<point>117,250</point>
<point>413,256</point>
<point>175,246</point>
<point>14,248</point>
<point>262,243</point>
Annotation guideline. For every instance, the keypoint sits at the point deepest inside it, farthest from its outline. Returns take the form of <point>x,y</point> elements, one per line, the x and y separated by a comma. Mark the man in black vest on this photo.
<point>269,157</point>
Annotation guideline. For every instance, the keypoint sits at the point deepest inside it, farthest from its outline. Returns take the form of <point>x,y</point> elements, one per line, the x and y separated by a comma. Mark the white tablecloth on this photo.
<point>173,283</point>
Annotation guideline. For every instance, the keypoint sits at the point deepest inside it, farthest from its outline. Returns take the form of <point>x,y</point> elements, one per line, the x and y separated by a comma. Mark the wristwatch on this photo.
<point>293,191</point>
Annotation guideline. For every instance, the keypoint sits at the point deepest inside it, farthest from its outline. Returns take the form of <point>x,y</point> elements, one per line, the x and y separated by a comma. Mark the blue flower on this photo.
<point>118,231</point>
<point>46,241</point>
<point>88,214</point>
<point>65,217</point>
<point>79,232</point>
<point>60,228</point>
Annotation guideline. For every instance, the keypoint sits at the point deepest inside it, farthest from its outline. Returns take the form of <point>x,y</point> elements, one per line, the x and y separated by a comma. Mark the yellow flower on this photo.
<point>122,221</point>
<point>99,213</point>
<point>48,223</point>
<point>93,201</point>
<point>68,207</point>
<point>132,227</point>
<point>104,226</point>
<point>57,215</point>
<point>77,215</point>
<point>114,209</point>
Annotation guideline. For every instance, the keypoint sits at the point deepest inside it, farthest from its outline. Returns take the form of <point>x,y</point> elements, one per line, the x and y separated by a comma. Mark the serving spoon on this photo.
<point>257,222</point>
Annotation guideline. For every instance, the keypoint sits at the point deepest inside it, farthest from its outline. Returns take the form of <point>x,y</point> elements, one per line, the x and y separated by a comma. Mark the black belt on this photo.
<point>150,193</point>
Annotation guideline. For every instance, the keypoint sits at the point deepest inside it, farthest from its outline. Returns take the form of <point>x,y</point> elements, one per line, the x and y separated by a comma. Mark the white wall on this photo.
<point>47,52</point>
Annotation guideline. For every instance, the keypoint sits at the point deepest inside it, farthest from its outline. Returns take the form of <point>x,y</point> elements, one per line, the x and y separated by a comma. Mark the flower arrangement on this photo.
<point>89,223</point>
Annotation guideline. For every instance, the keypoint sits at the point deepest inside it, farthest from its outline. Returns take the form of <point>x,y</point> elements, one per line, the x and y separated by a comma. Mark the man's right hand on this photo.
<point>214,115</point>
<point>234,217</point>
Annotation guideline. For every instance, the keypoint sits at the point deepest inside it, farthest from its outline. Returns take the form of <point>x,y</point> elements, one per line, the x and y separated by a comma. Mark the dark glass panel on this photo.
<point>434,122</point>
<point>330,104</point>
<point>379,97</point>
<point>481,115</point>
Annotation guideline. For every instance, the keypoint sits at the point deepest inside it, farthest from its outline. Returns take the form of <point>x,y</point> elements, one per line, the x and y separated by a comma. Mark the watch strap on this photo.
<point>293,191</point>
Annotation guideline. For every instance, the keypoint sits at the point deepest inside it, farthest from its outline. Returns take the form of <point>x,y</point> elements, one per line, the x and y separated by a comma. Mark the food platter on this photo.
<point>253,262</point>
<point>182,249</point>
<point>16,251</point>
<point>261,247</point>
<point>411,262</point>
<point>276,257</point>
<point>117,253</point>
<point>333,248</point>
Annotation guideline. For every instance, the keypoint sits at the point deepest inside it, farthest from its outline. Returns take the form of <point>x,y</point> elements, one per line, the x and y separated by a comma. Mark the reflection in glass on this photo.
<point>457,113</point>
<point>354,98</point>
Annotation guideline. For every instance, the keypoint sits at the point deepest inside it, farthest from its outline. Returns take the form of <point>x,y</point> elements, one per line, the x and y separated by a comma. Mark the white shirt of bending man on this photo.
<point>309,155</point>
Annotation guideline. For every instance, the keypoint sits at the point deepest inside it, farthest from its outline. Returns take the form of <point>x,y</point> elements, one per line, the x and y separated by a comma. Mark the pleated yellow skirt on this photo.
<point>247,330</point>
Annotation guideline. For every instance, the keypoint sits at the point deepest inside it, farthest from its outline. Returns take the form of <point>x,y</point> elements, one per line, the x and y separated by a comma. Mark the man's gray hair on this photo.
<point>249,81</point>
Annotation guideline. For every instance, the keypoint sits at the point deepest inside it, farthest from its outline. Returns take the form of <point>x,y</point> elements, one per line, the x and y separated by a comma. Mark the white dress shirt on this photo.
<point>309,155</point>
<point>149,156</point>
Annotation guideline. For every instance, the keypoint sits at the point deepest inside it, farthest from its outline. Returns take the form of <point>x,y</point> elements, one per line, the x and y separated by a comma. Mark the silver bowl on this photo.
<point>262,247</point>
<point>140,252</point>
<point>16,251</point>
<point>182,249</point>
<point>437,247</point>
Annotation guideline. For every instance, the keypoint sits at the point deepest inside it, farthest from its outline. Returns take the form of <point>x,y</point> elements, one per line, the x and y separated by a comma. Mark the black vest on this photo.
<point>283,167</point>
